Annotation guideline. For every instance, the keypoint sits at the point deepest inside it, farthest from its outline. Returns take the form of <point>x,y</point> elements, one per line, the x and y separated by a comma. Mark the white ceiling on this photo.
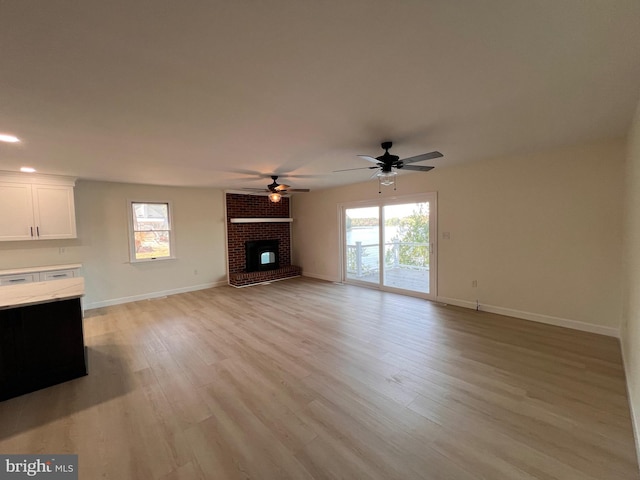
<point>225,93</point>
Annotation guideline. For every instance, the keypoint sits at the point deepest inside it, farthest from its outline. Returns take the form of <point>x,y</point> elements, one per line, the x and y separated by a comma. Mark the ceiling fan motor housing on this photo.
<point>387,160</point>
<point>274,186</point>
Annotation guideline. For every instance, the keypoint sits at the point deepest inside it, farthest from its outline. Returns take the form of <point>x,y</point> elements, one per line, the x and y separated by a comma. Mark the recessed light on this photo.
<point>27,169</point>
<point>8,138</point>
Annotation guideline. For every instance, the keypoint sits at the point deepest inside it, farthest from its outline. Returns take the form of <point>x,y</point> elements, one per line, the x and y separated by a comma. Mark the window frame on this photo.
<point>132,231</point>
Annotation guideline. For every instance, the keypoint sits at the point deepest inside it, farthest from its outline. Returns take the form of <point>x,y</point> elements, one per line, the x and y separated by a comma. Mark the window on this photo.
<point>151,235</point>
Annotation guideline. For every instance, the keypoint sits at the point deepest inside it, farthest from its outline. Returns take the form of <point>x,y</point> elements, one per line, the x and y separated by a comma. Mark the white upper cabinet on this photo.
<point>53,211</point>
<point>16,211</point>
<point>36,207</point>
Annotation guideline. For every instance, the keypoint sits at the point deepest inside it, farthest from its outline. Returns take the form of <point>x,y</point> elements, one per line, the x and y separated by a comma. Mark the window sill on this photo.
<point>148,260</point>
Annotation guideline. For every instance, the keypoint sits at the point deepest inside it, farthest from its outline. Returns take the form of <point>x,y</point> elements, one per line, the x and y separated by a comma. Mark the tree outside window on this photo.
<point>151,231</point>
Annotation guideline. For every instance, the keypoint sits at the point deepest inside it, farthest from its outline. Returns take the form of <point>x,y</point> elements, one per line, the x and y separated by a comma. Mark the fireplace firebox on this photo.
<point>261,255</point>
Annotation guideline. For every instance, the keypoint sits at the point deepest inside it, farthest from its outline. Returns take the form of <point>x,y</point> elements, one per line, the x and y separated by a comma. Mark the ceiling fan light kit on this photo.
<point>275,197</point>
<point>387,178</point>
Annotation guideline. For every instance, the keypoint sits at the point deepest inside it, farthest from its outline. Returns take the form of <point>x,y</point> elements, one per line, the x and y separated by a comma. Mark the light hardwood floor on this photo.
<point>304,379</point>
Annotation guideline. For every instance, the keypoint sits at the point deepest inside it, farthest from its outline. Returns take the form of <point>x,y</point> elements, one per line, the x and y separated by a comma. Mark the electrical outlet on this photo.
<point>195,272</point>
<point>446,235</point>
<point>474,283</point>
<point>61,250</point>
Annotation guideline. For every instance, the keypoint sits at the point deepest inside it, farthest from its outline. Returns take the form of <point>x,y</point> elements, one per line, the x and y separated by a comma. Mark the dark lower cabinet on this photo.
<point>40,345</point>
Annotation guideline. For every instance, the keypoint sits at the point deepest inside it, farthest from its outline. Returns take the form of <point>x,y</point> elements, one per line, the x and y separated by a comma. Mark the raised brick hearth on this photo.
<point>257,206</point>
<point>251,278</point>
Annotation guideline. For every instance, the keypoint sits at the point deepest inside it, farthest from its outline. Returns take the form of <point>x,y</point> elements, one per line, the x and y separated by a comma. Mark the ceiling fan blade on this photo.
<point>417,168</point>
<point>369,158</point>
<point>281,187</point>
<point>255,189</point>
<point>350,169</point>
<point>420,158</point>
<point>298,190</point>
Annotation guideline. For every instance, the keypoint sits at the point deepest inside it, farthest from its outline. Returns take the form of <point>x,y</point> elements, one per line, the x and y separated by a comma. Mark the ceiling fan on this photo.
<point>387,164</point>
<point>276,190</point>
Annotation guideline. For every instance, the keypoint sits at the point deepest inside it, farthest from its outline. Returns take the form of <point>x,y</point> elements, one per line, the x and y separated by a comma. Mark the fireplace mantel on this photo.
<point>260,220</point>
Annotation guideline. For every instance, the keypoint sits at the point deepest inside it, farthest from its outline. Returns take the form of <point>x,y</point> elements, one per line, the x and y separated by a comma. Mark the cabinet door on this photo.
<point>54,342</point>
<point>12,374</point>
<point>40,345</point>
<point>16,212</point>
<point>54,212</point>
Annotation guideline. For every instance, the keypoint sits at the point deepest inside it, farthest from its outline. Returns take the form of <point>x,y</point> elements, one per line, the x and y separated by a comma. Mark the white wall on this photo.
<point>103,249</point>
<point>631,307</point>
<point>540,233</point>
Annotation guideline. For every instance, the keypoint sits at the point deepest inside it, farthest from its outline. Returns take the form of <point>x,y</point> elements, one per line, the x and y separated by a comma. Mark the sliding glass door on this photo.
<point>407,247</point>
<point>390,245</point>
<point>362,228</point>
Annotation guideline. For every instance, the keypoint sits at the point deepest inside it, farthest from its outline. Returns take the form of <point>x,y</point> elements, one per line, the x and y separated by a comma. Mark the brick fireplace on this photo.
<point>256,207</point>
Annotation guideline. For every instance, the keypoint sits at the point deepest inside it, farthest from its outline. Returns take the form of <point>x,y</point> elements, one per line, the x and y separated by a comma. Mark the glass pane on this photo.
<point>150,216</point>
<point>406,246</point>
<point>152,244</point>
<point>363,242</point>
<point>267,257</point>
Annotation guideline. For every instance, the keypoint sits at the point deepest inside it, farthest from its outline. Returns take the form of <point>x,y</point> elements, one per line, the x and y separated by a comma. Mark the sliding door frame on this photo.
<point>430,197</point>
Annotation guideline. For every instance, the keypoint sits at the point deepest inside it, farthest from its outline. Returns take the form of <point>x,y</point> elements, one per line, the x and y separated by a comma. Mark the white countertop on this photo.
<point>48,268</point>
<point>40,292</point>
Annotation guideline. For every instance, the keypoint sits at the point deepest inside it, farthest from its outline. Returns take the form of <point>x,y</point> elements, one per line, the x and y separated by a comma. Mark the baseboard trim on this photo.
<point>534,317</point>
<point>456,302</point>
<point>147,296</point>
<point>634,418</point>
<point>320,277</point>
